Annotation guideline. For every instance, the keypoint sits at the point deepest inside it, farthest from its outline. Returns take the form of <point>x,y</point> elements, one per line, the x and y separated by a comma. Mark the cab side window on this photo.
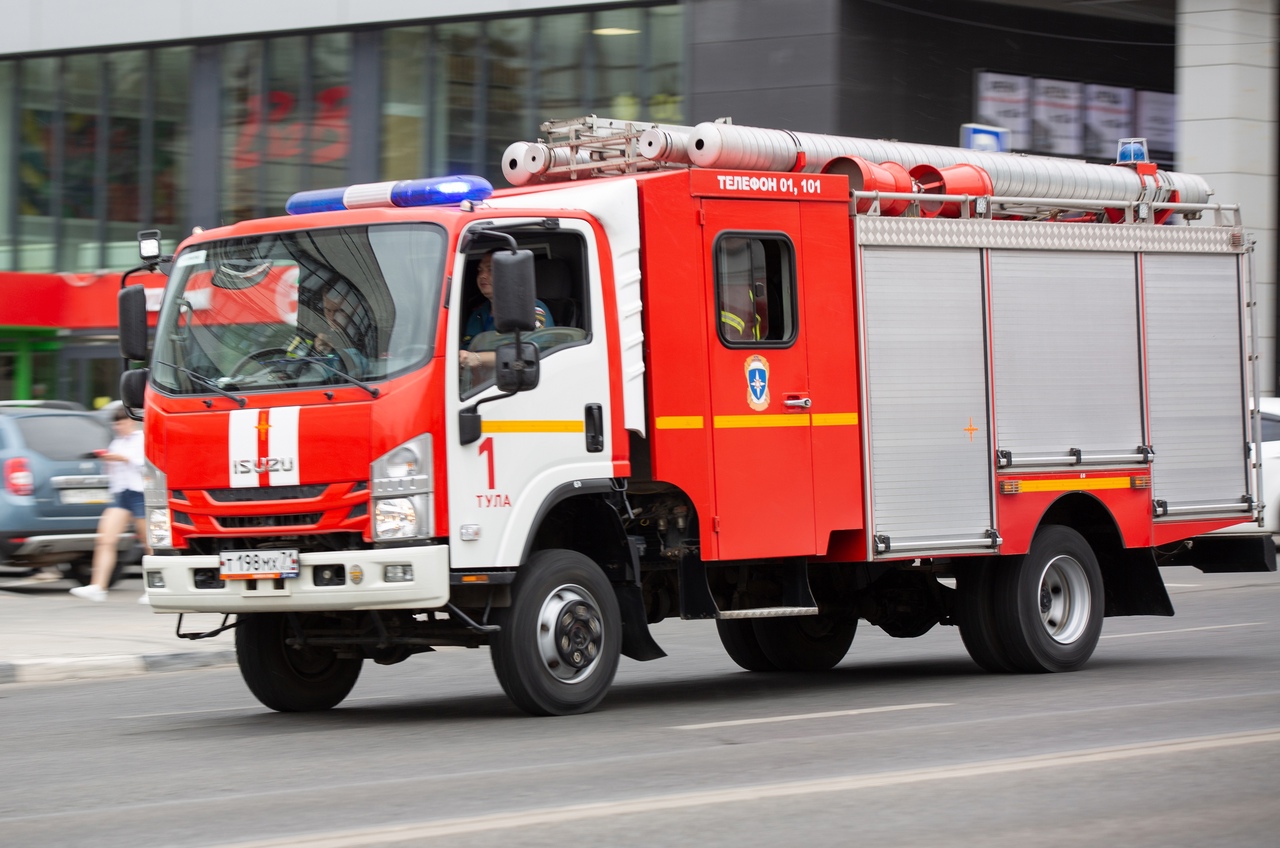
<point>755,290</point>
<point>563,314</point>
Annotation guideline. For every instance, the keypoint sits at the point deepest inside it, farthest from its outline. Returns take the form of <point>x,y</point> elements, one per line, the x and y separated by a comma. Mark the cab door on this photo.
<point>759,378</point>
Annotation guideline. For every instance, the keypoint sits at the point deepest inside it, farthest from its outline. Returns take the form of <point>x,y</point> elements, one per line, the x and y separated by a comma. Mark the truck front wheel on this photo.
<point>561,637</point>
<point>286,678</point>
<point>1049,603</point>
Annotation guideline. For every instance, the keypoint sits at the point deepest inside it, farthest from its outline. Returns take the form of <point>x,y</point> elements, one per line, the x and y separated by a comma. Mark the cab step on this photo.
<point>767,612</point>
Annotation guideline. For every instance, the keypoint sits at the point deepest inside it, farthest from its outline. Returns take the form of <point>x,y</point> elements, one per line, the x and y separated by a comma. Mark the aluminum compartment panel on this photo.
<point>929,448</point>
<point>1066,354</point>
<point>1196,379</point>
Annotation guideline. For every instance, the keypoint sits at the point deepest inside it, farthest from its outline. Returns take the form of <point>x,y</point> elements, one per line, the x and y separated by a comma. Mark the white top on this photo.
<point>126,476</point>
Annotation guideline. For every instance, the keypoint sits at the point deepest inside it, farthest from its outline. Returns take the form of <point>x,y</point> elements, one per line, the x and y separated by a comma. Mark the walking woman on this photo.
<point>124,460</point>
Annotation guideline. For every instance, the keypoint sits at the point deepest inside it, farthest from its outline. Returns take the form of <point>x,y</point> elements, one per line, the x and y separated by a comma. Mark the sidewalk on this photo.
<point>46,635</point>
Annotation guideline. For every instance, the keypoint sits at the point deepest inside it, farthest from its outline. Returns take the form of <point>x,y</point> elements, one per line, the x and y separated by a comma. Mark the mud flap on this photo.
<point>1133,584</point>
<point>637,642</point>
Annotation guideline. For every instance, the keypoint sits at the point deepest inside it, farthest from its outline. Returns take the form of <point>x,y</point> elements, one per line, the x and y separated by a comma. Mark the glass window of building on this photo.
<point>510,96</point>
<point>561,47</point>
<point>7,155</point>
<point>39,165</point>
<point>126,73</point>
<point>618,38</point>
<point>666,61</point>
<point>404,91</point>
<point>79,248</point>
<point>454,123</point>
<point>243,132</point>
<point>166,173</point>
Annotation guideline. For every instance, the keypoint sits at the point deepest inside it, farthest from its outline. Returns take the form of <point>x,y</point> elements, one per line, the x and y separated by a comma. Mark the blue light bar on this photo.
<point>435,191</point>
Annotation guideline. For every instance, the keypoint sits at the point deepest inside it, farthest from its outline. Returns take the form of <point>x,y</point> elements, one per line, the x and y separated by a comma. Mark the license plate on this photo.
<point>84,496</point>
<point>258,565</point>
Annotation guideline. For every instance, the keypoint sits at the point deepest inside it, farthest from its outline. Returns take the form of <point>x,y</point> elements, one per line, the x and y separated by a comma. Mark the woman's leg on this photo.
<point>113,521</point>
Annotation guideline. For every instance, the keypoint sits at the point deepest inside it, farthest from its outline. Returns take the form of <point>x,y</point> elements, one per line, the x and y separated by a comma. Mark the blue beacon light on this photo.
<point>434,191</point>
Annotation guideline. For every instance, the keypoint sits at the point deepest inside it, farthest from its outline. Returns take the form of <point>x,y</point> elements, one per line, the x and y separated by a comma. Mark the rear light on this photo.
<point>18,478</point>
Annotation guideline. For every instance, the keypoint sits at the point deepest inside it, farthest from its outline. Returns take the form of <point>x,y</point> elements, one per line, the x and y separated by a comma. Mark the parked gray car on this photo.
<point>53,490</point>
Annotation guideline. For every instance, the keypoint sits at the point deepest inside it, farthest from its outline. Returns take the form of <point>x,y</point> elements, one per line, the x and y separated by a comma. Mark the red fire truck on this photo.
<point>781,381</point>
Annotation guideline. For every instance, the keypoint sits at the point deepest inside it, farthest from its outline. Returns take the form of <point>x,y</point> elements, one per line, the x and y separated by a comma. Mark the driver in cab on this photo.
<point>335,340</point>
<point>481,318</point>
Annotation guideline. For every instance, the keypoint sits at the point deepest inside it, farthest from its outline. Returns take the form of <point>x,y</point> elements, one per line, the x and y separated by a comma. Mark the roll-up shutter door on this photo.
<point>1195,374</point>
<point>927,395</point>
<point>1066,357</point>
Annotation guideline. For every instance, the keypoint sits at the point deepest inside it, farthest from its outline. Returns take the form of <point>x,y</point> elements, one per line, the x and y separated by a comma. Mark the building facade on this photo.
<point>182,114</point>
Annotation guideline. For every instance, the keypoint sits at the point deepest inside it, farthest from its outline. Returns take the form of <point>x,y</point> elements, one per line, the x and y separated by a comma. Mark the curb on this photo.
<point>89,668</point>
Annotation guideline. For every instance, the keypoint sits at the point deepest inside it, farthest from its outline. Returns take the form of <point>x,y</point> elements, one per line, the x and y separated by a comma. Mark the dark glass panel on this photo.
<point>404,62</point>
<point>243,135</point>
<point>561,43</point>
<point>330,137</point>
<point>453,126</point>
<point>36,163</point>
<point>172,140</point>
<point>510,112</point>
<point>618,36</point>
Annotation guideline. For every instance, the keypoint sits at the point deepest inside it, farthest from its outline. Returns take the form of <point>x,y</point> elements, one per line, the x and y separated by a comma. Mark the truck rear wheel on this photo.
<point>1049,603</point>
<point>976,618</point>
<point>561,637</point>
<point>738,635</point>
<point>805,643</point>
<point>289,679</point>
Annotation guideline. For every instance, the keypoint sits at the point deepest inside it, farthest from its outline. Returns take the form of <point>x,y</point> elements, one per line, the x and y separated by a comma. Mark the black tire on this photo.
<point>738,635</point>
<point>974,615</point>
<point>561,637</point>
<point>1049,603</point>
<point>80,570</point>
<point>805,643</point>
<point>287,679</point>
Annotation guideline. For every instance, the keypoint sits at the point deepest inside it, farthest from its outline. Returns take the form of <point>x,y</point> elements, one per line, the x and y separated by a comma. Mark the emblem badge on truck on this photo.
<point>757,369</point>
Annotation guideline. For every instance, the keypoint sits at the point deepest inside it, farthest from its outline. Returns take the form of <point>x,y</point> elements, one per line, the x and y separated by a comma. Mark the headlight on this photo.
<point>159,533</point>
<point>395,518</point>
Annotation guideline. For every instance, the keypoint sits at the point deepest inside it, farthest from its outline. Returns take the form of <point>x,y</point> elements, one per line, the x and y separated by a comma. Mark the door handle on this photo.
<point>798,403</point>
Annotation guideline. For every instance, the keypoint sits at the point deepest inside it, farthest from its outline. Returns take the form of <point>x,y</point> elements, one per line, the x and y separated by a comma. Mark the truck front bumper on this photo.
<point>188,587</point>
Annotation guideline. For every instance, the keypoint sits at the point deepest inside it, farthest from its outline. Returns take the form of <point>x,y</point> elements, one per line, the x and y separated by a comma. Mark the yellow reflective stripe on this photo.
<point>678,422</point>
<point>733,321</point>
<point>835,419</point>
<point>739,422</point>
<point>1077,485</point>
<point>532,426</point>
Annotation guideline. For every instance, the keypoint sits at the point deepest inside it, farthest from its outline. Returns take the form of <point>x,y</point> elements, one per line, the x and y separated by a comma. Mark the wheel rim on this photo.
<point>570,634</point>
<point>1064,599</point>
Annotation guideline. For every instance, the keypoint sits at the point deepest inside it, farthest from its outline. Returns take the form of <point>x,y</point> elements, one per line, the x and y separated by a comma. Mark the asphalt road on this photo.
<point>1169,737</point>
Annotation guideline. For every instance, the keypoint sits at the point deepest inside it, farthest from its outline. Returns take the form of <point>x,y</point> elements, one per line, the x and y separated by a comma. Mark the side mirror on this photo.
<point>132,305</point>
<point>516,367</point>
<point>133,387</point>
<point>514,298</point>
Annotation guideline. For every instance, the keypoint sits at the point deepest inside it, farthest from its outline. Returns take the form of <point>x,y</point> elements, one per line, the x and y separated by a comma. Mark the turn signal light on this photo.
<point>1142,481</point>
<point>1010,487</point>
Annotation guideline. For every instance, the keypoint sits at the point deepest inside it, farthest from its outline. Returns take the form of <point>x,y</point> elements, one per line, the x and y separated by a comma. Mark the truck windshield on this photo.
<point>296,309</point>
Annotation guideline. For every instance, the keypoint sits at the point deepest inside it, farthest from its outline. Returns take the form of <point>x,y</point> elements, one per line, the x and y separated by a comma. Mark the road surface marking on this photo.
<point>255,706</point>
<point>421,831</point>
<point>804,716</point>
<point>1183,630</point>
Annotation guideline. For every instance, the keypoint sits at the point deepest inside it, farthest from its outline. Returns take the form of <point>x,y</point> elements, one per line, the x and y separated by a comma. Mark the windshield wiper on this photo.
<point>319,360</point>
<point>204,381</point>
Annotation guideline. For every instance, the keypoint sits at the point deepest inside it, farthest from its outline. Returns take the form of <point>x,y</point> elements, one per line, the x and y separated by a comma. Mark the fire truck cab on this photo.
<point>784,396</point>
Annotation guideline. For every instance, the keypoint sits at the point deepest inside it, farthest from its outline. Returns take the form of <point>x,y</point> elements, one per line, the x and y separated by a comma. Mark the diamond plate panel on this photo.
<point>1041,235</point>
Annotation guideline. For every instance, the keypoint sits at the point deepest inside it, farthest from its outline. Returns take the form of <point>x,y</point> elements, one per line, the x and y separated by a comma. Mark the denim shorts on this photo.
<point>130,500</point>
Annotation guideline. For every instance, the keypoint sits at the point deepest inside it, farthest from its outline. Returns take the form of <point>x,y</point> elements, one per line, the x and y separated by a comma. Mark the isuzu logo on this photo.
<point>265,465</point>
<point>262,447</point>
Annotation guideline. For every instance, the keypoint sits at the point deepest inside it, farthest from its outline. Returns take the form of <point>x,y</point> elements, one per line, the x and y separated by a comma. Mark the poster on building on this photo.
<point>1004,100</point>
<point>1156,120</point>
<point>1056,125</point>
<point>1108,117</point>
